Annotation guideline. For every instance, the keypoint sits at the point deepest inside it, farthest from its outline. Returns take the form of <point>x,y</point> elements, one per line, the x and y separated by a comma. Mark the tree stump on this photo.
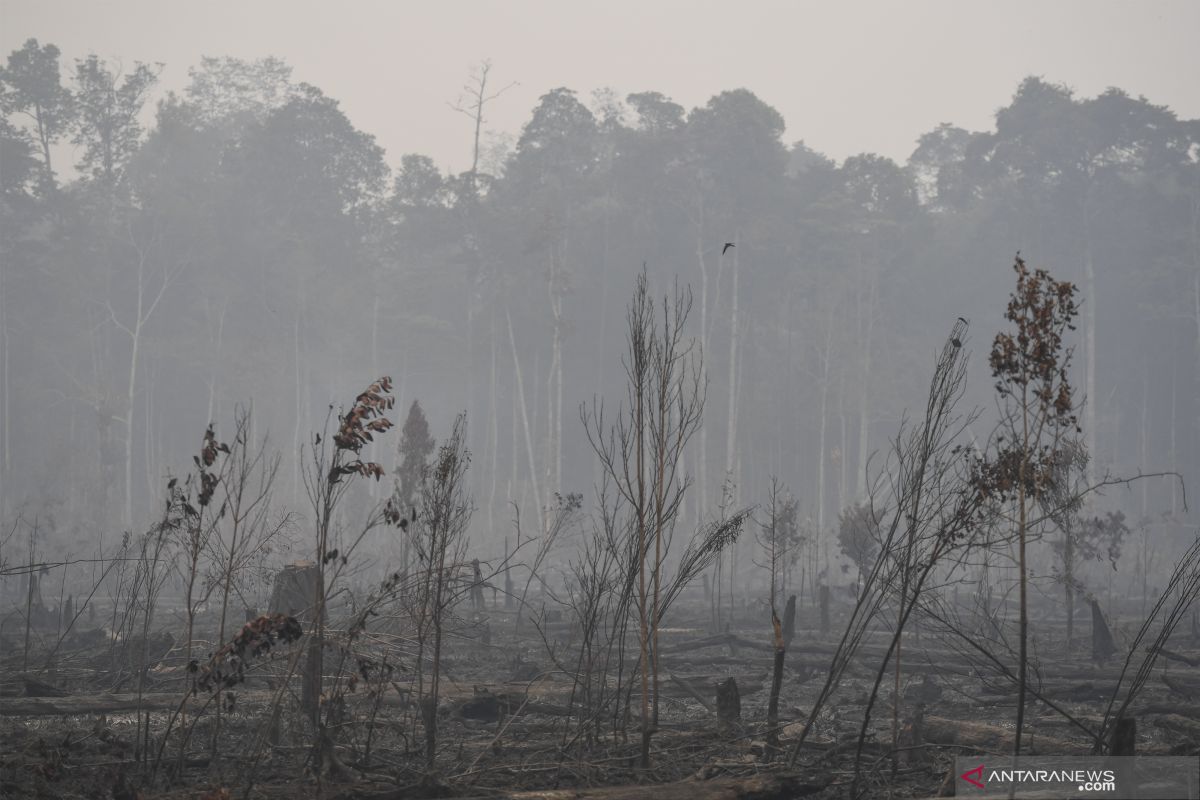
<point>912,738</point>
<point>1102,638</point>
<point>1123,740</point>
<point>729,706</point>
<point>311,681</point>
<point>67,613</point>
<point>789,621</point>
<point>295,591</point>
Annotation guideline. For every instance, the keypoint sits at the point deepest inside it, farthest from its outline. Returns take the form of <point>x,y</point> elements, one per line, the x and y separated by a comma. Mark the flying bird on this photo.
<point>963,320</point>
<point>726,247</point>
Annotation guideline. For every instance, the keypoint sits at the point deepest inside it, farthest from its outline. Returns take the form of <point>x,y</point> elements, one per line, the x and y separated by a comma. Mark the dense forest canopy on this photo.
<point>245,243</point>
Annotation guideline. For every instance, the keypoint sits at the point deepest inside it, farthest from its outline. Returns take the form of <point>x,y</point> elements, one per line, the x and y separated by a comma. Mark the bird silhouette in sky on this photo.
<point>726,247</point>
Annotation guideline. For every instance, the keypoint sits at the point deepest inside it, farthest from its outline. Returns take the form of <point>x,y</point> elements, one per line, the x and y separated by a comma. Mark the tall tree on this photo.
<point>107,125</point>
<point>414,449</point>
<point>33,89</point>
<point>1030,362</point>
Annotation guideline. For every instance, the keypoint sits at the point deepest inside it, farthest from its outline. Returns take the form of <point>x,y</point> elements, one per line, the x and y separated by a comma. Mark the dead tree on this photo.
<point>641,456</point>
<point>444,513</point>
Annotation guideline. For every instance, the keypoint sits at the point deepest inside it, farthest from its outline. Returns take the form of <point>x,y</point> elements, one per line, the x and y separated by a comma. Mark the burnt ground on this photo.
<point>69,716</point>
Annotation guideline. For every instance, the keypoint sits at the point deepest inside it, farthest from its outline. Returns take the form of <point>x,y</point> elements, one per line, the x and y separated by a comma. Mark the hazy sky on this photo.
<point>848,77</point>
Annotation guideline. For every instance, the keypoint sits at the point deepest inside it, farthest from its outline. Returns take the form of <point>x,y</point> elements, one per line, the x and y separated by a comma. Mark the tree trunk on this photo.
<point>781,638</point>
<point>824,602</point>
<point>1089,317</point>
<point>5,397</point>
<point>127,513</point>
<point>729,706</point>
<point>1069,573</point>
<point>731,429</point>
<point>512,341</point>
<point>864,390</point>
<point>702,472</point>
<point>493,429</point>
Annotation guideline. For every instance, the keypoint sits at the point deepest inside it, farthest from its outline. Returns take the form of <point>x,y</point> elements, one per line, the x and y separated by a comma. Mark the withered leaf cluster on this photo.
<point>1030,363</point>
<point>355,429</point>
<point>227,667</point>
<point>1033,355</point>
<point>366,416</point>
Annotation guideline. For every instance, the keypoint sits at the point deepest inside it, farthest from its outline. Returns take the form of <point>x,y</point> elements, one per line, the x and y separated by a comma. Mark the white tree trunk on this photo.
<point>512,341</point>
<point>731,420</point>
<point>5,398</point>
<point>702,472</point>
<point>868,325</point>
<point>1089,328</point>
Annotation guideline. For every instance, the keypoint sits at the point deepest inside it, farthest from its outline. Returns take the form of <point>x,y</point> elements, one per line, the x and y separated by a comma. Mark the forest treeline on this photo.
<point>246,243</point>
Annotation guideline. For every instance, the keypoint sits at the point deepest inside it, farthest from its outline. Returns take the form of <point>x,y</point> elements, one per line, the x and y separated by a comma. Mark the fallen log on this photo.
<point>1182,709</point>
<point>761,786</point>
<point>86,704</point>
<point>1171,655</point>
<point>939,730</point>
<point>24,685</point>
<point>150,701</point>
<point>1053,690</point>
<point>1181,687</point>
<point>729,639</point>
<point>687,687</point>
<point>1178,724</point>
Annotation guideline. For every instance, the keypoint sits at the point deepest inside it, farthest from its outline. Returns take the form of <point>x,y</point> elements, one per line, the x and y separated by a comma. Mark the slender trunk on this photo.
<point>842,460</point>
<point>148,459</point>
<point>298,392</point>
<point>702,473</point>
<point>644,621</point>
<point>1144,459</point>
<point>1022,666</point>
<point>1089,316</point>
<point>821,459</point>
<point>1174,433</point>
<point>554,404</point>
<point>731,429</point>
<point>127,514</point>
<point>1196,311</point>
<point>31,586</point>
<point>1194,197</point>
<point>374,487</point>
<point>44,140</point>
<point>826,356</point>
<point>601,354</point>
<point>493,427</point>
<point>864,393</point>
<point>5,396</point>
<point>1069,574</point>
<point>512,341</point>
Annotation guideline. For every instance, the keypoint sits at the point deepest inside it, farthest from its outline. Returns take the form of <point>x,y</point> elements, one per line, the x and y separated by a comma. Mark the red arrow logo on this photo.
<point>978,771</point>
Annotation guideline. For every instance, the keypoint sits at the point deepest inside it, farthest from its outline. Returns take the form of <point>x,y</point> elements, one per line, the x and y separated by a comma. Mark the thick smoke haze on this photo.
<point>463,398</point>
<point>848,78</point>
<point>275,204</point>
